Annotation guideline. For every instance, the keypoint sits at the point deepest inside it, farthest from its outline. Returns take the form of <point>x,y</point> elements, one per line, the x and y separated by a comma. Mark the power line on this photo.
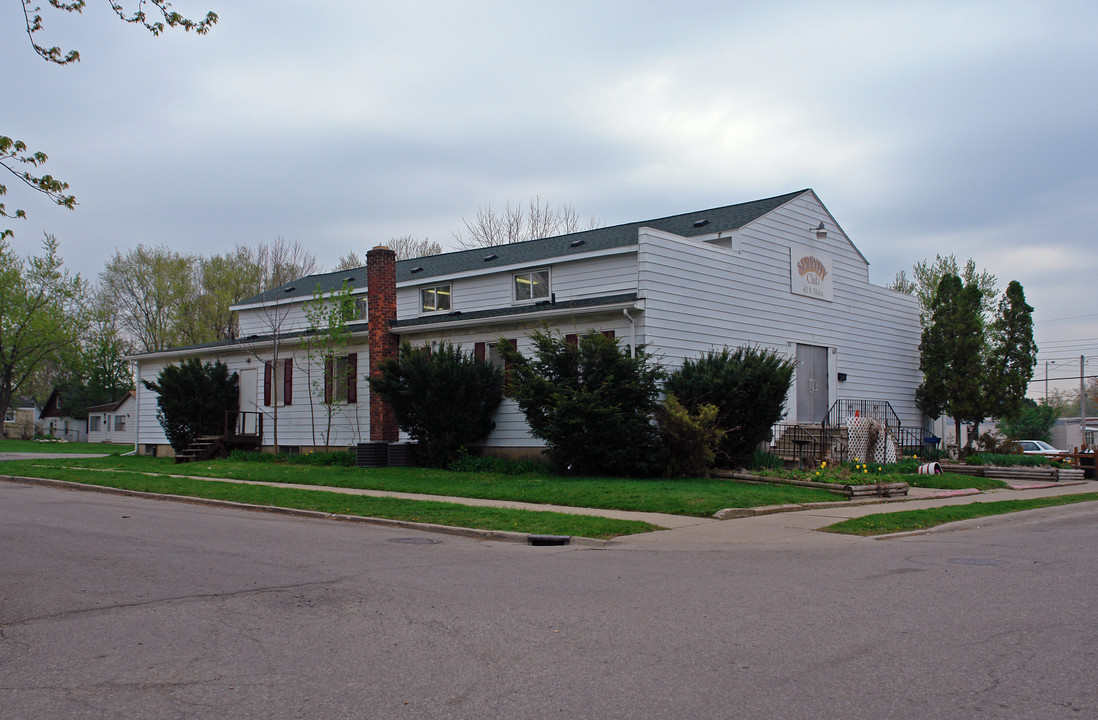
<point>1072,317</point>
<point>1054,379</point>
<point>1070,341</point>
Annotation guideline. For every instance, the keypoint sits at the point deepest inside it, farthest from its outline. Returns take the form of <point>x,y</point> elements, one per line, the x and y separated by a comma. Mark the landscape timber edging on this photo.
<point>850,491</point>
<point>999,472</point>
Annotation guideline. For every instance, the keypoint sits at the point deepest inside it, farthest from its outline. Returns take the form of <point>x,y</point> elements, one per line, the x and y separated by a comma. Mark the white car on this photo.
<point>1037,447</point>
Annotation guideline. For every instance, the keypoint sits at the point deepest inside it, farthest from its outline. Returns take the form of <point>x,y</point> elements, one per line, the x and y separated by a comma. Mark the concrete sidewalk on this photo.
<point>772,524</point>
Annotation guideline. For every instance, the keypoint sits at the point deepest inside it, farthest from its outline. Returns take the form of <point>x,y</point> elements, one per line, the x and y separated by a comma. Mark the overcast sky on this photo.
<point>955,127</point>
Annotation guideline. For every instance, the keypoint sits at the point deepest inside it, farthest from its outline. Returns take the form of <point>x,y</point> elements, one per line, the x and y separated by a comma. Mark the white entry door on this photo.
<point>249,394</point>
<point>812,385</point>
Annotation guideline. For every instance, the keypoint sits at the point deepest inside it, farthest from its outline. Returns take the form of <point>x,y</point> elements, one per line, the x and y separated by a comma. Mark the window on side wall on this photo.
<point>93,424</point>
<point>435,298</point>
<point>531,286</point>
<point>341,379</point>
<point>119,423</point>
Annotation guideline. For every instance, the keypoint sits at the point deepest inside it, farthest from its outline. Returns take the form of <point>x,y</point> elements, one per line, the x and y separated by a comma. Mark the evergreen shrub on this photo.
<point>748,386</point>
<point>192,399</point>
<point>442,397</point>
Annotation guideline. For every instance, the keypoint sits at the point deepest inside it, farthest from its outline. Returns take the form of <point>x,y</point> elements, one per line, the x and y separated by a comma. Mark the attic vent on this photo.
<point>489,258</point>
<point>290,289</point>
<point>701,223</point>
<point>576,243</point>
<point>416,269</point>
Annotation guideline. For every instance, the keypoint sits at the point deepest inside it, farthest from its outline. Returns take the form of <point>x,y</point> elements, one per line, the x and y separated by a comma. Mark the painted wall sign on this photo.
<point>811,274</point>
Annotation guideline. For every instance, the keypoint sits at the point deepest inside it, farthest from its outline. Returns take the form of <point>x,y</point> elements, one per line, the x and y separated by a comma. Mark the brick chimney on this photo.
<point>381,307</point>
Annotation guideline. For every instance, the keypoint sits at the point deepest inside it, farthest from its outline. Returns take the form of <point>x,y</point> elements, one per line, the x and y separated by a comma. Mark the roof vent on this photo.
<point>489,258</point>
<point>577,243</point>
<point>701,223</point>
<point>349,278</point>
<point>416,269</point>
<point>290,289</point>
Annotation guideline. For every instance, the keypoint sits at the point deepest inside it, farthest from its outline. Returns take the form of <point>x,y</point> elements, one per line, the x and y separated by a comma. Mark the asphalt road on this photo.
<point>120,607</point>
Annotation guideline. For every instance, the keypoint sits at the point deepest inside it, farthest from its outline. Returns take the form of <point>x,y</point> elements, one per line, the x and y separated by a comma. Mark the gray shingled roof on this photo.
<point>730,217</point>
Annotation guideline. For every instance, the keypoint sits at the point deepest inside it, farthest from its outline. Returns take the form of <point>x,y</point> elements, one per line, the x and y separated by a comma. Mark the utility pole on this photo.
<point>1047,363</point>
<point>1082,403</point>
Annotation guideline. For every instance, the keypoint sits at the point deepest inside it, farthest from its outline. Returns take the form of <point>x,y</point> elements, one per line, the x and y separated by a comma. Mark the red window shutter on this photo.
<point>329,370</point>
<point>478,350</point>
<point>572,339</point>
<point>608,334</point>
<point>268,372</point>
<point>352,377</point>
<point>288,382</point>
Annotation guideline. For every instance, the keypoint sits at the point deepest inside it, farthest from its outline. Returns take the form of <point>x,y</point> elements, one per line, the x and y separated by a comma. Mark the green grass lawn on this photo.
<point>42,446</point>
<point>695,497</point>
<point>885,523</point>
<point>484,518</point>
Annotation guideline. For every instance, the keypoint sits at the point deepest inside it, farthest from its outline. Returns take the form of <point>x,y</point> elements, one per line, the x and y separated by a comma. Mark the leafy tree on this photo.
<point>443,398</point>
<point>1014,353</point>
<point>516,224</point>
<point>952,355</point>
<point>590,401</point>
<point>192,399</point>
<point>691,439</point>
<point>1068,400</point>
<point>41,315</point>
<point>18,160</point>
<point>326,340</point>
<point>153,287</point>
<point>14,155</point>
<point>927,276</point>
<point>1030,422</point>
<point>748,386</point>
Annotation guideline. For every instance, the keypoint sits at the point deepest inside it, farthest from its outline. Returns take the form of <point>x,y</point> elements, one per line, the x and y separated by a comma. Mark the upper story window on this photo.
<point>361,308</point>
<point>531,285</point>
<point>435,298</point>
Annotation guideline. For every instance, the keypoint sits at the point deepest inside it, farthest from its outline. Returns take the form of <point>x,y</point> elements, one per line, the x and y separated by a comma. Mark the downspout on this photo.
<point>632,333</point>
<point>137,410</point>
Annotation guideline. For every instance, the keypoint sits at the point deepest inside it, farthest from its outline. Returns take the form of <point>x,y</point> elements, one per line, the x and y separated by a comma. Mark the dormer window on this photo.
<point>435,298</point>
<point>530,286</point>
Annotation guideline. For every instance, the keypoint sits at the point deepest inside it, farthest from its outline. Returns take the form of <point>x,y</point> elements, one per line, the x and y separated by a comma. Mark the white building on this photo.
<point>778,273</point>
<point>114,422</point>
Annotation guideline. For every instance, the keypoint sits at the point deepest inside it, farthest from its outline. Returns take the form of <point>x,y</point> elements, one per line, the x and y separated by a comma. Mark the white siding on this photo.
<point>267,320</point>
<point>699,297</point>
<point>296,422</point>
<point>107,432</point>
<point>572,280</point>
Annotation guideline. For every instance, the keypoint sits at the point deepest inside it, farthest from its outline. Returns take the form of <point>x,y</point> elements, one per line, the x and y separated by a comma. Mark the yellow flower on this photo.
<point>823,465</point>
<point>878,470</point>
<point>865,471</point>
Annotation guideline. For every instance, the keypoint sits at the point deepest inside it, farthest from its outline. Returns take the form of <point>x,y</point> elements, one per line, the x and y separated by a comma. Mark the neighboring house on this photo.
<point>114,422</point>
<point>778,273</point>
<point>1066,435</point>
<point>19,419</point>
<point>59,420</point>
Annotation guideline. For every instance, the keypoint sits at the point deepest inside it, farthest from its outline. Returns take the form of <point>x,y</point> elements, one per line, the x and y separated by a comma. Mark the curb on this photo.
<point>496,535</point>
